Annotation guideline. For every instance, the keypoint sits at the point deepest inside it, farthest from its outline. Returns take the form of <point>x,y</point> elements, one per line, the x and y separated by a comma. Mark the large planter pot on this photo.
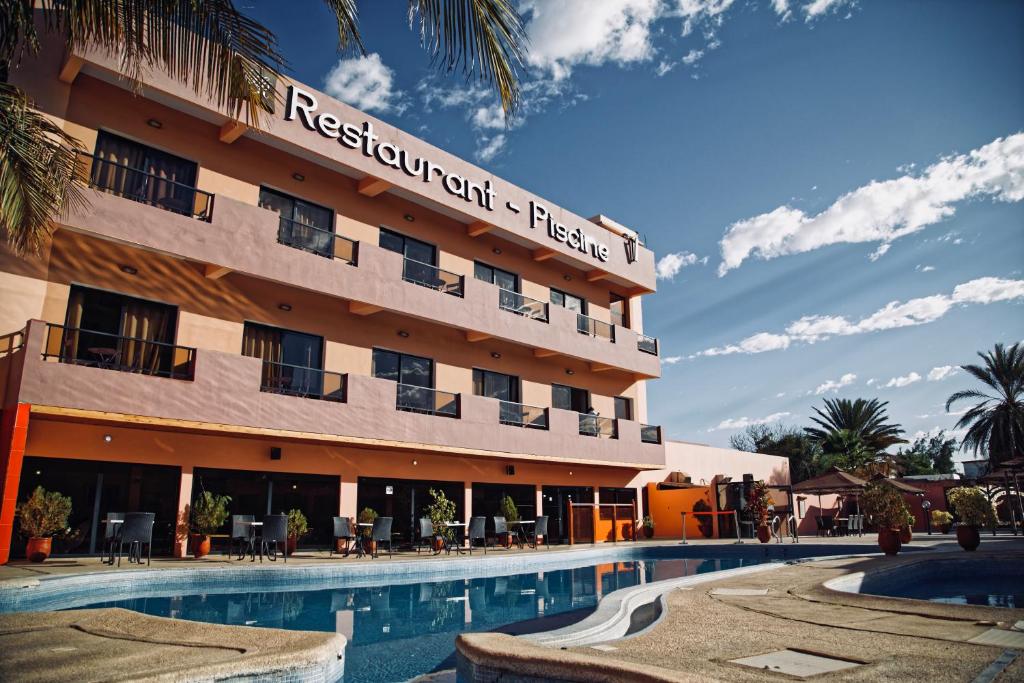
<point>38,549</point>
<point>764,534</point>
<point>200,545</point>
<point>889,541</point>
<point>439,544</point>
<point>291,544</point>
<point>370,546</point>
<point>944,529</point>
<point>968,537</point>
<point>648,532</point>
<point>905,534</point>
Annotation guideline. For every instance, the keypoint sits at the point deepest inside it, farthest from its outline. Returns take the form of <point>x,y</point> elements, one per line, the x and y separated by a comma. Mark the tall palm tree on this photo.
<point>866,420</point>
<point>215,49</point>
<point>996,424</point>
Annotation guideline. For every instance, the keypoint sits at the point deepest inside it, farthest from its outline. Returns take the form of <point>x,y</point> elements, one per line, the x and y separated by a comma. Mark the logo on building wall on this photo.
<point>303,106</point>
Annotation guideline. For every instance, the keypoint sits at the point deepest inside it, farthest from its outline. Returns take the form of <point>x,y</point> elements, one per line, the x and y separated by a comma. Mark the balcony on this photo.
<point>647,344</point>
<point>521,415</point>
<point>79,346</point>
<point>650,433</point>
<point>427,401</point>
<point>148,188</point>
<point>432,277</point>
<point>601,427</point>
<point>594,328</point>
<point>514,302</point>
<point>319,241</point>
<point>304,382</point>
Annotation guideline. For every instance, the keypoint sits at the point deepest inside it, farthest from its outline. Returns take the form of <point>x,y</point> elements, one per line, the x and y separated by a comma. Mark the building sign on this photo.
<point>303,106</point>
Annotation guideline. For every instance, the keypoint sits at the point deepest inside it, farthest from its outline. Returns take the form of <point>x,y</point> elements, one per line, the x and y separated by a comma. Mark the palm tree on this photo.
<point>996,423</point>
<point>215,49</point>
<point>865,419</point>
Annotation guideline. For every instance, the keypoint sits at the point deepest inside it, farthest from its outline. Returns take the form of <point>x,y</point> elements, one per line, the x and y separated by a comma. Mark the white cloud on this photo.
<point>814,328</point>
<point>780,394</point>
<point>669,265</point>
<point>817,8</point>
<point>744,422</point>
<point>871,382</point>
<point>664,67</point>
<point>671,360</point>
<point>366,83</point>
<point>937,374</point>
<point>490,147</point>
<point>692,57</point>
<point>834,385</point>
<point>924,269</point>
<point>902,381</point>
<point>882,211</point>
<point>781,8</point>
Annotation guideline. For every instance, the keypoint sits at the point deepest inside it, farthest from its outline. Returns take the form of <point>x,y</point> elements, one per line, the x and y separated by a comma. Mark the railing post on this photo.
<point>736,523</point>
<point>570,523</point>
<point>636,522</point>
<point>615,523</point>
<point>684,527</point>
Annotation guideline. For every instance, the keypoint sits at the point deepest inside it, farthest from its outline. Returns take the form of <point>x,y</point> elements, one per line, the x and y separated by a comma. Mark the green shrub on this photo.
<point>509,509</point>
<point>44,514</point>
<point>366,517</point>
<point>297,524</point>
<point>209,512</point>
<point>941,518</point>
<point>885,505</point>
<point>972,506</point>
<point>441,511</point>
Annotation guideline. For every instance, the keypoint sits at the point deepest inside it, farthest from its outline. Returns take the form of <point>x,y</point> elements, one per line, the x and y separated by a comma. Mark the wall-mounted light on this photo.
<point>154,123</point>
<point>415,462</point>
<point>38,472</point>
<point>108,438</point>
<point>409,217</point>
<point>403,334</point>
<point>285,307</point>
<point>294,486</point>
<point>496,250</point>
<point>130,270</point>
<point>570,371</point>
<point>298,176</point>
<point>567,277</point>
<point>495,354</point>
<point>570,474</point>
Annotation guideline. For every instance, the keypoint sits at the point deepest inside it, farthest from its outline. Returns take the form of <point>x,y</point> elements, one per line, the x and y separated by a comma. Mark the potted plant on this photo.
<point>298,527</point>
<point>441,512</point>
<point>511,514</point>
<point>43,515</point>
<point>209,513</point>
<point>907,529</point>
<point>758,501</point>
<point>648,524</point>
<point>942,520</point>
<point>974,509</point>
<point>366,517</point>
<point>888,511</point>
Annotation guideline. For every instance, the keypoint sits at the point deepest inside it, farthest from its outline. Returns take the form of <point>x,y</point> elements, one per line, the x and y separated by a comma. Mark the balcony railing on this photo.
<point>521,415</point>
<point>148,188</point>
<point>647,344</point>
<point>519,304</point>
<point>12,342</point>
<point>316,240</point>
<point>595,328</point>
<point>650,433</point>
<point>297,380</point>
<point>432,277</point>
<point>595,425</point>
<point>117,352</point>
<point>415,399</point>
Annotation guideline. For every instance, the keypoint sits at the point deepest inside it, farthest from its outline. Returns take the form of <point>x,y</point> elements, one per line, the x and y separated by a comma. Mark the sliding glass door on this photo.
<point>292,361</point>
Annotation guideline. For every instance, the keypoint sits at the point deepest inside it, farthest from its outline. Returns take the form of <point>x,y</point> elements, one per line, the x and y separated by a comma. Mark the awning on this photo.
<point>833,481</point>
<point>900,486</point>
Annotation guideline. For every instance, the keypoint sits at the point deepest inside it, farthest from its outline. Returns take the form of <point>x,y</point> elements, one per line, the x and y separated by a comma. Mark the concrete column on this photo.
<point>467,506</point>
<point>13,436</point>
<point>184,503</point>
<point>540,499</point>
<point>347,501</point>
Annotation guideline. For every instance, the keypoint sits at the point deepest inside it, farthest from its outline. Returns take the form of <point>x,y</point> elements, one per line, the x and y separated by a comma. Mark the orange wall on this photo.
<point>667,505</point>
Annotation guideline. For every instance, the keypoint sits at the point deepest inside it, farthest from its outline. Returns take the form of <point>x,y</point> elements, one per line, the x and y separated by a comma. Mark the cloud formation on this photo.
<point>835,385</point>
<point>671,360</point>
<point>882,211</point>
<point>814,328</point>
<point>366,83</point>
<point>942,372</point>
<point>669,265</point>
<point>744,422</point>
<point>903,381</point>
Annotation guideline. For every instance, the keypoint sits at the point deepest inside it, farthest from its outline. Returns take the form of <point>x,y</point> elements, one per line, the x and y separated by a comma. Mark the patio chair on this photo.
<point>273,533</point>
<point>828,525</point>
<point>136,531</point>
<point>820,524</point>
<point>501,529</point>
<point>344,531</point>
<point>381,533</point>
<point>856,525</point>
<point>426,535</point>
<point>242,532</point>
<point>110,534</point>
<point>540,530</point>
<point>477,531</point>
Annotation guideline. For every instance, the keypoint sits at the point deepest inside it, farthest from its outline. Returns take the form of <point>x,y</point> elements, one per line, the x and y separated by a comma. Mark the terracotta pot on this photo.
<point>649,532</point>
<point>764,534</point>
<point>439,544</point>
<point>905,534</point>
<point>290,544</point>
<point>370,546</point>
<point>889,541</point>
<point>200,545</point>
<point>968,537</point>
<point>944,529</point>
<point>38,549</point>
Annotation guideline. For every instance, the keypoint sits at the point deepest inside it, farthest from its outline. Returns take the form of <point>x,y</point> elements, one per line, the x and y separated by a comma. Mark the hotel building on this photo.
<point>324,313</point>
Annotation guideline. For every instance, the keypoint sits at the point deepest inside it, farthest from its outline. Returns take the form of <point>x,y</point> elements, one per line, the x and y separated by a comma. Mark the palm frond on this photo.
<point>965,394</point>
<point>346,14</point>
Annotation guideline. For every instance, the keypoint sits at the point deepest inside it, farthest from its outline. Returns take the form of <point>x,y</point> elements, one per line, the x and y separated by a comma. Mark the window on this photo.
<point>403,368</point>
<point>134,171</point>
<point>623,408</point>
<point>573,303</point>
<point>619,308</point>
<point>495,385</point>
<point>508,282</point>
<point>801,507</point>
<point>303,225</point>
<point>420,264</point>
<point>570,398</point>
<point>292,361</point>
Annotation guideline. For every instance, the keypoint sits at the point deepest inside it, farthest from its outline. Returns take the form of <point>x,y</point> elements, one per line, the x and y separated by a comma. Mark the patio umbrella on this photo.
<point>833,481</point>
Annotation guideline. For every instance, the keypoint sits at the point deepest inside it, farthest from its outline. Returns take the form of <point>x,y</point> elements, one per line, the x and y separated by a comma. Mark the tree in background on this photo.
<point>215,49</point>
<point>927,455</point>
<point>995,425</point>
<point>853,434</point>
<point>783,440</point>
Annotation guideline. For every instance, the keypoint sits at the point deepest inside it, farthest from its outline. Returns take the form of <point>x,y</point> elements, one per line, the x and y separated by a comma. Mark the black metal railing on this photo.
<point>519,304</point>
<point>521,415</point>
<point>416,399</point>
<point>647,344</point>
<point>79,346</point>
<point>595,425</point>
<point>305,382</point>
<point>316,240</point>
<point>650,433</point>
<point>595,328</point>
<point>148,188</point>
<point>432,277</point>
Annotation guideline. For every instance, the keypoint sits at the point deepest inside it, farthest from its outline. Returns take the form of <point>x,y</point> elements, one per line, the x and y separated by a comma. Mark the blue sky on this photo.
<point>803,166</point>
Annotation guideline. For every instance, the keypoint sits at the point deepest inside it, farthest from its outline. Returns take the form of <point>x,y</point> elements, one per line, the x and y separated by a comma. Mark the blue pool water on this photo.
<point>397,632</point>
<point>990,591</point>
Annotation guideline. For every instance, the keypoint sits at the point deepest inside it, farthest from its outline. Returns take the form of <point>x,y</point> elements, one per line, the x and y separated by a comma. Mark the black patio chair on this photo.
<point>136,531</point>
<point>819,521</point>
<point>828,525</point>
<point>500,530</point>
<point>344,531</point>
<point>477,531</point>
<point>111,531</point>
<point>273,533</point>
<point>242,534</point>
<point>540,530</point>
<point>381,533</point>
<point>426,535</point>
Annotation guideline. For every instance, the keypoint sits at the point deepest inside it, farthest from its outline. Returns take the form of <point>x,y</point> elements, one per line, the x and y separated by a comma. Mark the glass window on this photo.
<point>573,303</point>
<point>403,368</point>
<point>623,408</point>
<point>409,247</point>
<point>496,276</point>
<point>296,209</point>
<point>619,308</point>
<point>282,346</point>
<point>495,385</point>
<point>570,398</point>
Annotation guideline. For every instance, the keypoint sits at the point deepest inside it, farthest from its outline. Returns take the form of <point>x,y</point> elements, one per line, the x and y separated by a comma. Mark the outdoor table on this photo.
<point>252,542</point>
<point>521,538</point>
<point>111,521</point>
<point>448,545</point>
<point>842,525</point>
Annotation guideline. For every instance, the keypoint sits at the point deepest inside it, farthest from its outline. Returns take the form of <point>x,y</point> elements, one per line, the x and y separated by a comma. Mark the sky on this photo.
<point>834,189</point>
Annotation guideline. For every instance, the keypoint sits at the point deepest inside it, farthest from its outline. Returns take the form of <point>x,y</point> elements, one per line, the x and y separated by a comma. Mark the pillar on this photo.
<point>467,506</point>
<point>348,499</point>
<point>13,436</point>
<point>184,508</point>
<point>539,491</point>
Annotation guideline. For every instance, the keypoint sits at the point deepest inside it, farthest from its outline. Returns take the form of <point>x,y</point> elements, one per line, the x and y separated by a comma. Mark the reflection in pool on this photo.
<point>397,632</point>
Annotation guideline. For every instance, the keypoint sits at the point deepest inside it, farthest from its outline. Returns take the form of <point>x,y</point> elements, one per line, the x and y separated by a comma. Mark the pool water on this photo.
<point>398,632</point>
<point>991,591</point>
